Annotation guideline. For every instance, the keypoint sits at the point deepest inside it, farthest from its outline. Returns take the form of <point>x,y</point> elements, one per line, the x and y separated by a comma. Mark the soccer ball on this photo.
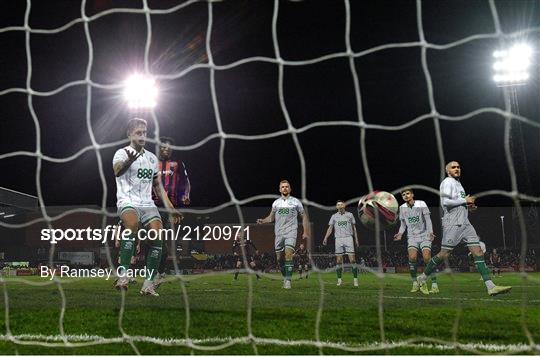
<point>378,201</point>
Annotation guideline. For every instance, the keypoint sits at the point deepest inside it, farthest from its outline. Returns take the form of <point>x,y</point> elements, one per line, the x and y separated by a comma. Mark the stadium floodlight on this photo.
<point>512,65</point>
<point>140,92</point>
<point>503,235</point>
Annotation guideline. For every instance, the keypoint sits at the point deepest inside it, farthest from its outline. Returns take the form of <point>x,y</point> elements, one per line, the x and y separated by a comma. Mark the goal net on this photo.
<point>340,98</point>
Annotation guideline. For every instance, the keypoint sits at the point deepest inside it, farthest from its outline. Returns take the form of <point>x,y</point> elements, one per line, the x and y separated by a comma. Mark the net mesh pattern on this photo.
<point>216,344</point>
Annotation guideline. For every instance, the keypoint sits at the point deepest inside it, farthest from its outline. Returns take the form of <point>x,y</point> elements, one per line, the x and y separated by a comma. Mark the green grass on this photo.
<point>218,312</point>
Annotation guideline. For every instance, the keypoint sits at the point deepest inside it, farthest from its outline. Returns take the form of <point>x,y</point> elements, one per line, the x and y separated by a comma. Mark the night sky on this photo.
<point>392,84</point>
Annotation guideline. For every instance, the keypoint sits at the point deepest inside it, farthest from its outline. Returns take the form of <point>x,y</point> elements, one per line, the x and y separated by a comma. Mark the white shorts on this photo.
<point>344,245</point>
<point>145,214</point>
<point>418,243</point>
<point>284,242</point>
<point>453,235</point>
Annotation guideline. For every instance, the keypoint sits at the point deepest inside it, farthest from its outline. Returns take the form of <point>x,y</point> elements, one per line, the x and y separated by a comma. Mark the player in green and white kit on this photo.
<point>285,211</point>
<point>457,228</point>
<point>414,216</point>
<point>137,173</point>
<point>344,226</point>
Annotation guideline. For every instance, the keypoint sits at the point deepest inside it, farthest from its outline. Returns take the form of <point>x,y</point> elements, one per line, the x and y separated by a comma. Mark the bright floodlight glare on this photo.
<point>140,92</point>
<point>511,65</point>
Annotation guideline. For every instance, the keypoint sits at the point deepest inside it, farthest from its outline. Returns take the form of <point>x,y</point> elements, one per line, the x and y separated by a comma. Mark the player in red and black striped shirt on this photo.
<point>176,185</point>
<point>173,175</point>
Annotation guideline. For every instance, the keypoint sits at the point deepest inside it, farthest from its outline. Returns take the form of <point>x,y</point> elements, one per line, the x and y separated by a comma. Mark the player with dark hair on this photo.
<point>457,228</point>
<point>174,176</point>
<point>285,211</point>
<point>244,251</point>
<point>414,216</point>
<point>176,184</point>
<point>303,261</point>
<point>137,175</point>
<point>343,224</point>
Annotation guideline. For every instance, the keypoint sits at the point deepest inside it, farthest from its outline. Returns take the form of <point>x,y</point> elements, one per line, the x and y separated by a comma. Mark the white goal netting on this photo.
<point>360,122</point>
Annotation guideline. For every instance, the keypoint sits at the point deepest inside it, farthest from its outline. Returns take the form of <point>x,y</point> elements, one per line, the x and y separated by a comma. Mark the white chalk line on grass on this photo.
<point>224,342</point>
<point>361,294</point>
<point>492,299</point>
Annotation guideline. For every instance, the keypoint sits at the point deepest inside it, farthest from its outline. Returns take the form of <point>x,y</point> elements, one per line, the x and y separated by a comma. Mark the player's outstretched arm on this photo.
<point>267,219</point>
<point>305,225</point>
<point>121,166</point>
<point>429,224</point>
<point>328,232</point>
<point>402,228</point>
<point>160,192</point>
<point>184,196</point>
<point>187,192</point>
<point>355,236</point>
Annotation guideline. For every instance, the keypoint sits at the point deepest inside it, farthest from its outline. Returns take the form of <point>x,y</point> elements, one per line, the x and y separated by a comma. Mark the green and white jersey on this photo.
<point>134,187</point>
<point>286,213</point>
<point>453,203</point>
<point>415,219</point>
<point>343,224</point>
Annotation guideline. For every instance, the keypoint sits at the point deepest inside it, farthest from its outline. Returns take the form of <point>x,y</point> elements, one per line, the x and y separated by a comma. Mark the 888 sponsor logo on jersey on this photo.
<point>145,174</point>
<point>414,219</point>
<point>283,211</point>
<point>342,223</point>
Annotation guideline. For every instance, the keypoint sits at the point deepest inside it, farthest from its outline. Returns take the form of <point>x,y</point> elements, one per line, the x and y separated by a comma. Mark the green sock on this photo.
<point>152,261</point>
<point>412,269</point>
<point>434,279</point>
<point>355,271</point>
<point>432,265</point>
<point>482,268</point>
<point>288,269</point>
<point>339,271</point>
<point>127,247</point>
<point>282,268</point>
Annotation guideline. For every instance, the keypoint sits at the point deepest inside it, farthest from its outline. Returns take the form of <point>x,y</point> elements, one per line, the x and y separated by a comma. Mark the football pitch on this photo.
<point>282,321</point>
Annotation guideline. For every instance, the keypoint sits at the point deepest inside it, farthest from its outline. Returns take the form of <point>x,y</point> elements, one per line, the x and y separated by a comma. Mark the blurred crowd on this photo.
<point>393,257</point>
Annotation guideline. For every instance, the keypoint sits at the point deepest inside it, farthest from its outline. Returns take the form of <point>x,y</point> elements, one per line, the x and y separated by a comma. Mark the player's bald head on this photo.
<point>450,164</point>
<point>453,169</point>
